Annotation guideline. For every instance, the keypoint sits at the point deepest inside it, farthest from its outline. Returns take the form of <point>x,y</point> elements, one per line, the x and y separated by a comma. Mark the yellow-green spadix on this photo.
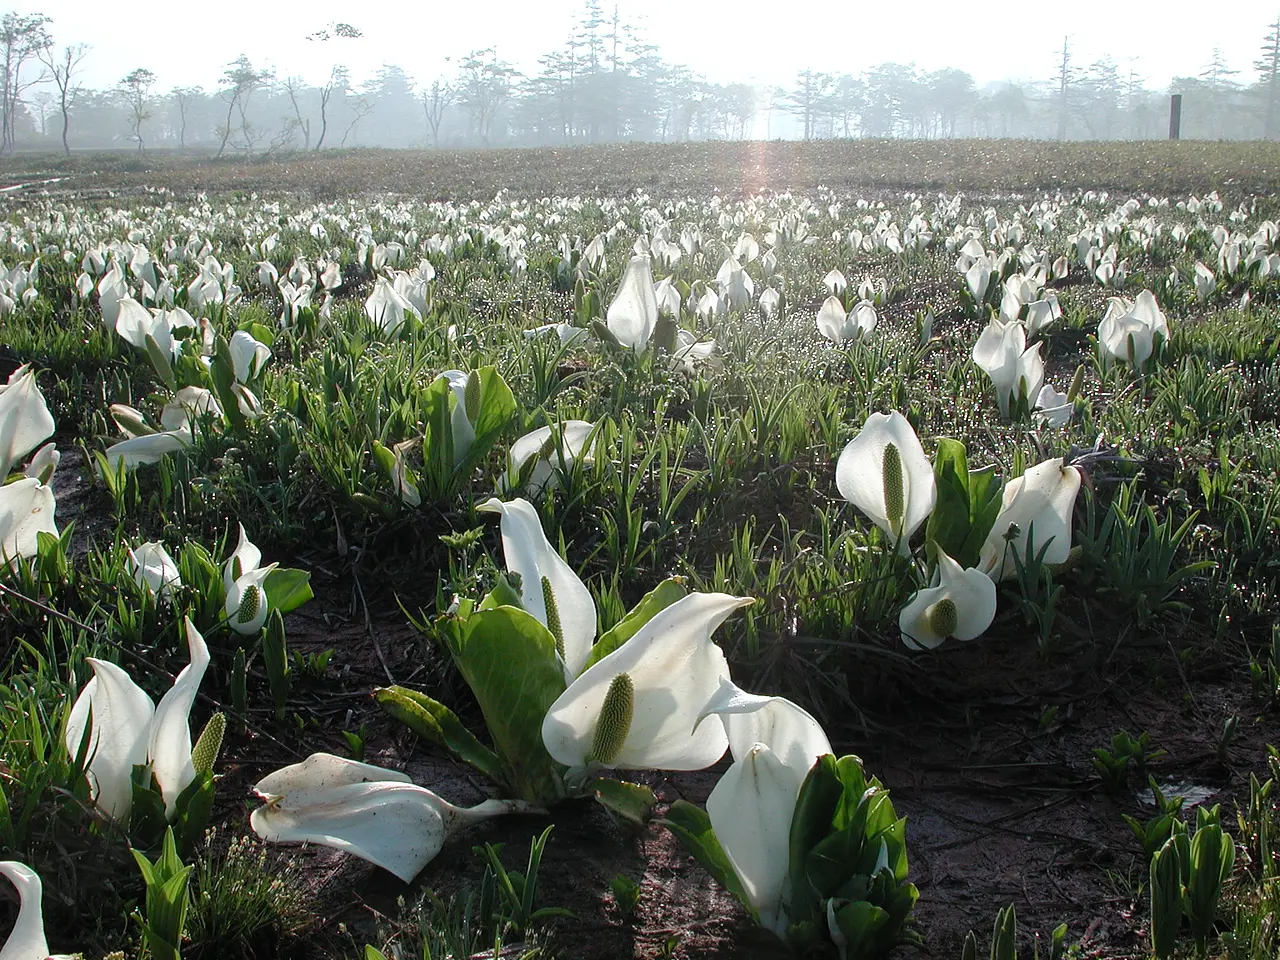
<point>884,473</point>
<point>374,813</point>
<point>960,604</point>
<point>673,669</point>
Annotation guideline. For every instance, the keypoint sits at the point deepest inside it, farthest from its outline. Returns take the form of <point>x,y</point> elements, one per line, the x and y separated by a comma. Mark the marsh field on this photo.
<point>611,495</point>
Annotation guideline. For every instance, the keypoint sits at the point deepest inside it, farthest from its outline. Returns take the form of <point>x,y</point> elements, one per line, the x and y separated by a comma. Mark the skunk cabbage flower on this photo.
<point>549,589</point>
<point>540,444</point>
<point>42,466</point>
<point>26,940</point>
<point>835,282</point>
<point>188,406</point>
<point>668,297</point>
<point>774,744</point>
<point>1052,408</point>
<point>148,448</point>
<point>245,557</point>
<point>246,605</point>
<point>387,308</point>
<point>1129,329</point>
<point>641,706</point>
<point>1014,368</point>
<point>884,473</point>
<point>24,418</point>
<point>154,569</point>
<point>838,326</point>
<point>566,332</point>
<point>960,604</point>
<point>633,313</point>
<point>26,511</point>
<point>372,812</point>
<point>1044,496</point>
<point>1206,282</point>
<point>768,301</point>
<point>248,355</point>
<point>978,277</point>
<point>736,286</point>
<point>464,433</point>
<point>127,729</point>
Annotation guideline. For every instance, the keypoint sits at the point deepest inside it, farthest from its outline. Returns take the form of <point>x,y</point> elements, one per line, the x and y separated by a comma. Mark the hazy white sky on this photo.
<point>765,42</point>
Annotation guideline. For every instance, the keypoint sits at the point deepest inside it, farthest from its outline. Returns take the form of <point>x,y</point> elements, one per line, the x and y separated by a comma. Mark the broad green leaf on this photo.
<point>633,802</point>
<point>261,332</point>
<point>287,588</point>
<point>948,524</point>
<point>659,598</point>
<point>815,806</point>
<point>692,827</point>
<point>435,722</point>
<point>222,373</point>
<point>509,660</point>
<point>497,407</point>
<point>160,360</point>
<point>193,807</point>
<point>862,924</point>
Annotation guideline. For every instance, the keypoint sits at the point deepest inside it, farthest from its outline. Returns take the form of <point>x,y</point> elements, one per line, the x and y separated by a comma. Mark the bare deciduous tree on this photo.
<point>23,37</point>
<point>137,90</point>
<point>435,101</point>
<point>63,69</point>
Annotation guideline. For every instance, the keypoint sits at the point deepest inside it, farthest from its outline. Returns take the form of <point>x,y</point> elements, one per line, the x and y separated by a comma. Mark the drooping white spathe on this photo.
<point>860,475</point>
<point>1039,503</point>
<point>531,555</point>
<point>774,743</point>
<point>972,592</point>
<point>675,670</point>
<point>633,313</point>
<point>374,813</point>
<point>574,436</point>
<point>1130,328</point>
<point>26,940</point>
<point>25,419</point>
<point>128,730</point>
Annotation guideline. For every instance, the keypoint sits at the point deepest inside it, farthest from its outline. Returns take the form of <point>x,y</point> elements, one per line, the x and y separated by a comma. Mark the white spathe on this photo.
<point>675,669</point>
<point>633,313</point>
<point>372,812</point>
<point>26,510</point>
<point>1132,330</point>
<point>790,731</point>
<point>550,456</point>
<point>530,554</point>
<point>1015,369</point>
<point>25,419</point>
<point>147,449</point>
<point>464,432</point>
<point>127,729</point>
<point>26,941</point>
<point>248,355</point>
<point>971,591</point>
<point>154,569</point>
<point>1043,498</point>
<point>860,475</point>
<point>750,809</point>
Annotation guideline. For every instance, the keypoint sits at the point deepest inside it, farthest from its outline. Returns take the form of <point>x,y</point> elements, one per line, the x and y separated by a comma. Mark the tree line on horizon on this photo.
<point>606,84</point>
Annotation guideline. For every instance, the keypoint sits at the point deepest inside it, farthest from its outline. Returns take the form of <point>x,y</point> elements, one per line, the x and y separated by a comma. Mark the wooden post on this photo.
<point>1175,116</point>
